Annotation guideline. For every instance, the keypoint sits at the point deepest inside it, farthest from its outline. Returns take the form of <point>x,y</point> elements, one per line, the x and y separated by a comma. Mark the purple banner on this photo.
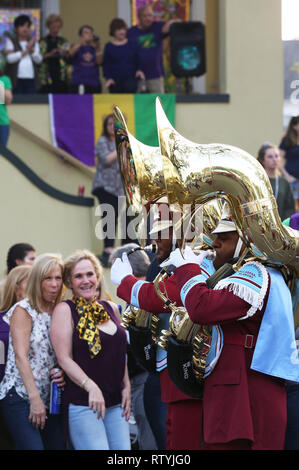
<point>72,121</point>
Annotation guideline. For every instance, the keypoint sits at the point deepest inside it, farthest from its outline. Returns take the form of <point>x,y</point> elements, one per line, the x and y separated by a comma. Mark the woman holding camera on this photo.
<point>86,58</point>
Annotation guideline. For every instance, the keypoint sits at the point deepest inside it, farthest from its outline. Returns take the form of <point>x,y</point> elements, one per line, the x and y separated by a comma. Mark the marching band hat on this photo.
<point>226,224</point>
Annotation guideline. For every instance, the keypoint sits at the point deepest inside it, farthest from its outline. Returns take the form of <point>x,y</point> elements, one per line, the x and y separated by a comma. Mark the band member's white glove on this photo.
<point>177,259</point>
<point>120,269</point>
<point>202,255</point>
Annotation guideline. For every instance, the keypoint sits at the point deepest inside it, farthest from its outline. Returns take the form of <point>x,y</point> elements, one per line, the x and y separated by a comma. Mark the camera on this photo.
<point>96,37</point>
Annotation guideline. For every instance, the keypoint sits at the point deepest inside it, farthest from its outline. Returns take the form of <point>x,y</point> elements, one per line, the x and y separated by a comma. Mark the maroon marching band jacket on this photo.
<point>238,403</point>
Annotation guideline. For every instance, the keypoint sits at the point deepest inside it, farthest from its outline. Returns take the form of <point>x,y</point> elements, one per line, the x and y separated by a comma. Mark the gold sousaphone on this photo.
<point>197,173</point>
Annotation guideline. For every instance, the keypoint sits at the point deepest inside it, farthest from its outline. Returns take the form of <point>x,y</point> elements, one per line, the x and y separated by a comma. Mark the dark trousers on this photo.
<point>88,89</point>
<point>4,134</point>
<point>15,411</point>
<point>292,431</point>
<point>127,85</point>
<point>58,87</point>
<point>25,86</point>
<point>107,198</point>
<point>155,409</point>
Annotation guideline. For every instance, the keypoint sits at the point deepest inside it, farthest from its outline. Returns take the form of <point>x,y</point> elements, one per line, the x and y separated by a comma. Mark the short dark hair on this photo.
<point>83,27</point>
<point>116,24</point>
<point>17,251</point>
<point>21,20</point>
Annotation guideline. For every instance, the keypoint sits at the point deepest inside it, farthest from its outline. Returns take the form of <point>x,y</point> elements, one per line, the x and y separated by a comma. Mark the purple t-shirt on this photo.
<point>4,336</point>
<point>120,62</point>
<point>150,43</point>
<point>85,67</point>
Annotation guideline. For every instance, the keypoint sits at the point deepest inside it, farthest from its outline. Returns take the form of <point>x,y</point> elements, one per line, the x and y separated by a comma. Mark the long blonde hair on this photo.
<point>15,277</point>
<point>43,265</point>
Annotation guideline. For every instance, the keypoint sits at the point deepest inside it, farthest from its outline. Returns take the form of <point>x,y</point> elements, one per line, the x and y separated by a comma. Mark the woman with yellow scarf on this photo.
<point>90,346</point>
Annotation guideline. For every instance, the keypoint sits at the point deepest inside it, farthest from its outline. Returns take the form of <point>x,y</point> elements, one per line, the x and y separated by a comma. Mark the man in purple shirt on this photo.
<point>149,35</point>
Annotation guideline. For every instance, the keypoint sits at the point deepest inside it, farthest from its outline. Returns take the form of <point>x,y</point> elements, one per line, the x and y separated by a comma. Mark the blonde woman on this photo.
<point>14,291</point>
<point>90,346</point>
<point>25,388</point>
<point>55,52</point>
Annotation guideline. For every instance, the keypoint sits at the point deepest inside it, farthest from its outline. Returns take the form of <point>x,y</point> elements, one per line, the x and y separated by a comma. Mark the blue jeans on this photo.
<point>15,411</point>
<point>4,134</point>
<point>87,432</point>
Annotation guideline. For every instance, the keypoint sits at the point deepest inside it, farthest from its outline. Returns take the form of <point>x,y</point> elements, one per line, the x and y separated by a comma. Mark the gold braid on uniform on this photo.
<point>91,314</point>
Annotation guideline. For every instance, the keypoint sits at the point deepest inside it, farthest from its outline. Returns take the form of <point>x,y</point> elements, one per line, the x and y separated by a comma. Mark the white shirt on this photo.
<point>25,68</point>
<point>41,356</point>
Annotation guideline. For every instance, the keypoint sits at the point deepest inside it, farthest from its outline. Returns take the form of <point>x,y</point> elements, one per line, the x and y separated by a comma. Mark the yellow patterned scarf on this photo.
<point>91,314</point>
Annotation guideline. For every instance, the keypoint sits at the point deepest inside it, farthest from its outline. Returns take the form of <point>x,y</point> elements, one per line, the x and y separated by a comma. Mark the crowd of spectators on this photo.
<point>48,308</point>
<point>131,61</point>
